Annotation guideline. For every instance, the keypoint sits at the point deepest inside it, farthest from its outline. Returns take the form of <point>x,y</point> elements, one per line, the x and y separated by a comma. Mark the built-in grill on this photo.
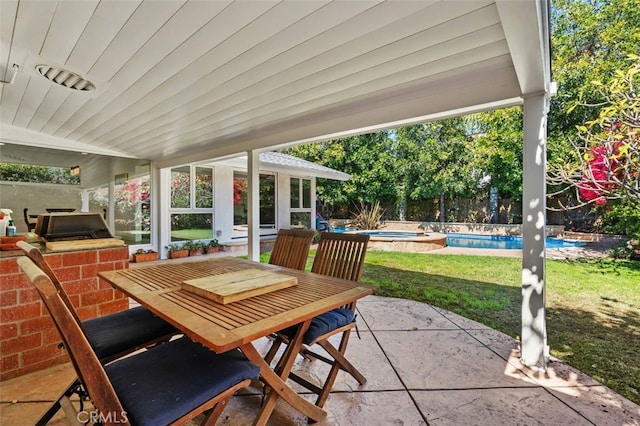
<point>72,226</point>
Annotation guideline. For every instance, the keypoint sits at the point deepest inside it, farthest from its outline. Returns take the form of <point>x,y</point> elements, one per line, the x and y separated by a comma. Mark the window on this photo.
<point>267,200</point>
<point>133,210</point>
<point>191,203</point>
<point>300,203</point>
<point>15,172</point>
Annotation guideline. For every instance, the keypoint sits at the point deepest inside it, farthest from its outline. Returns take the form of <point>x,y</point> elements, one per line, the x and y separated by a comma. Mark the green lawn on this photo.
<point>593,306</point>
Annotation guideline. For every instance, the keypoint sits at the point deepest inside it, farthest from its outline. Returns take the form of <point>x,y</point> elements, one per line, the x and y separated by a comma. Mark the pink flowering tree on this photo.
<point>607,165</point>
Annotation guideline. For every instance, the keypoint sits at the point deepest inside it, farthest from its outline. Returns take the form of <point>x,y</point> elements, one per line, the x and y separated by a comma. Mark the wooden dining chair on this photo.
<point>341,256</point>
<point>291,248</point>
<point>110,336</point>
<point>167,384</point>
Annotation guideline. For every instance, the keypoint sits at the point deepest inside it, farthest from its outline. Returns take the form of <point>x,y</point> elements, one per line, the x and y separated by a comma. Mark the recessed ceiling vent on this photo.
<point>65,78</point>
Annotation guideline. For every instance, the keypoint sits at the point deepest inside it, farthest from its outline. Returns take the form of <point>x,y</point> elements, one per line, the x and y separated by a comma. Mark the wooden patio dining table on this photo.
<point>237,324</point>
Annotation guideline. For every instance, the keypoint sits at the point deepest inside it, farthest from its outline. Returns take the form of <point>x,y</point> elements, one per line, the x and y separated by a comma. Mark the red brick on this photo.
<point>75,300</point>
<point>80,258</point>
<point>8,331</point>
<point>8,363</point>
<point>9,266</point>
<point>86,312</point>
<point>112,307</point>
<point>54,260</point>
<point>89,271</point>
<point>80,286</point>
<point>36,367</point>
<point>36,325</point>
<point>51,336</point>
<point>19,312</point>
<point>68,274</point>
<point>29,295</point>
<point>103,284</point>
<point>14,281</point>
<point>110,255</point>
<point>96,297</point>
<point>106,266</point>
<point>20,344</point>
<point>36,356</point>
<point>8,298</point>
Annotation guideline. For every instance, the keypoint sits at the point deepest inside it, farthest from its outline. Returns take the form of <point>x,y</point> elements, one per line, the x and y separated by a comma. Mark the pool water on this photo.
<point>501,242</point>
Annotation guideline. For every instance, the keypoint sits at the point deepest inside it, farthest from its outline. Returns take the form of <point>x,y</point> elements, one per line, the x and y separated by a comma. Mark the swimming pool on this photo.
<point>501,242</point>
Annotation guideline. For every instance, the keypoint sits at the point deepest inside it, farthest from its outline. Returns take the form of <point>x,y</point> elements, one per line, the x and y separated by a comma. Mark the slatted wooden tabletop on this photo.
<point>223,327</point>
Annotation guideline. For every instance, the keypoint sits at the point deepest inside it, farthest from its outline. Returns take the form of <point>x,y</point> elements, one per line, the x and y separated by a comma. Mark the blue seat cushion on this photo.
<point>323,324</point>
<point>114,333</point>
<point>164,383</point>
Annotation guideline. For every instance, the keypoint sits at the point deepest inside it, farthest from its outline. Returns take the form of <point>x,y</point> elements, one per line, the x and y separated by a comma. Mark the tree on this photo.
<point>590,39</point>
<point>606,161</point>
<point>445,163</point>
<point>368,158</point>
<point>498,149</point>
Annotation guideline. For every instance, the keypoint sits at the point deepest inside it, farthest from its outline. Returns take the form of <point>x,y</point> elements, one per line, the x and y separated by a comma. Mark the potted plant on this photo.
<point>176,251</point>
<point>212,246</point>
<point>195,248</point>
<point>142,255</point>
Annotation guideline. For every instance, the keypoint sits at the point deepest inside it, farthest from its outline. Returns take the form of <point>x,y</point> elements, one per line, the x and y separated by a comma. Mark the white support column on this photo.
<point>313,203</point>
<point>283,200</point>
<point>161,202</point>
<point>534,350</point>
<point>253,219</point>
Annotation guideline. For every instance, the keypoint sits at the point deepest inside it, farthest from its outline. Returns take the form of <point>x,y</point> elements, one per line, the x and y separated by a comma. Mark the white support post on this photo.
<point>161,199</point>
<point>253,219</point>
<point>314,201</point>
<point>157,240</point>
<point>534,350</point>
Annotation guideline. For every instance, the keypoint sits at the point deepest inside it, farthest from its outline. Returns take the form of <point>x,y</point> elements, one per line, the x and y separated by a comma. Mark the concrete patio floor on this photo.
<point>425,366</point>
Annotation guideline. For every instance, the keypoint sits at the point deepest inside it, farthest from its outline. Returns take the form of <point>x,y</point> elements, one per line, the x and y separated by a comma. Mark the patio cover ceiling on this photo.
<point>178,81</point>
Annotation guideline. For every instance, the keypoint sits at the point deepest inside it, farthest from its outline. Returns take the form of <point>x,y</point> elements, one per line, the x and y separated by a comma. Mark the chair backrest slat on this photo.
<point>341,255</point>
<point>291,248</point>
<point>84,360</point>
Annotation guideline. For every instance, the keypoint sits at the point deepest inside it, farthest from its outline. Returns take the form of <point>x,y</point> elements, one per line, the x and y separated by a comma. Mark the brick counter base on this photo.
<point>28,339</point>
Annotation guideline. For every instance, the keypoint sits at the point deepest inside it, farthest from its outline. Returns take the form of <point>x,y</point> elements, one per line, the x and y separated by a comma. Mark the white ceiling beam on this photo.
<point>526,28</point>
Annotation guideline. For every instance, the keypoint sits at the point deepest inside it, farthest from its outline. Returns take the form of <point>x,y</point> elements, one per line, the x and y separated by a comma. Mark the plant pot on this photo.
<point>178,254</point>
<point>144,257</point>
<point>196,252</point>
<point>209,250</point>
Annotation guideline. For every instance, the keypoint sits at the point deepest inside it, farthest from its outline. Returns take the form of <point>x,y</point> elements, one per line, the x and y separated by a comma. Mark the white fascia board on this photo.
<point>20,136</point>
<point>505,103</point>
<point>240,163</point>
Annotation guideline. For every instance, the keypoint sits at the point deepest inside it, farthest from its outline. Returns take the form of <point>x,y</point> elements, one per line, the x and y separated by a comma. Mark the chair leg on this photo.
<point>56,406</point>
<point>70,411</point>
<point>277,342</point>
<point>340,362</point>
<point>214,414</point>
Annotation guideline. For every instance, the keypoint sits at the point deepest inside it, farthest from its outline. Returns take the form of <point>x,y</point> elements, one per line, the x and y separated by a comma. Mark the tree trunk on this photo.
<point>442,212</point>
<point>493,204</point>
